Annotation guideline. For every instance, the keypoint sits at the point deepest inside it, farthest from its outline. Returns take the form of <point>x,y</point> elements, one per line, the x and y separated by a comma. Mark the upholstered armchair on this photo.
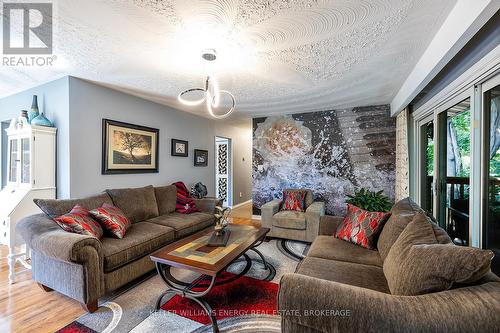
<point>302,226</point>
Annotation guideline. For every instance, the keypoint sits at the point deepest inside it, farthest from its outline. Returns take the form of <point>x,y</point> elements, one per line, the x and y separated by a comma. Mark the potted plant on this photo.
<point>370,201</point>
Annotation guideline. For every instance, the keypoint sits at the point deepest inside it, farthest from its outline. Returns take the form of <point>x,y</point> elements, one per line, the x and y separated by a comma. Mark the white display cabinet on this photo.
<point>31,174</point>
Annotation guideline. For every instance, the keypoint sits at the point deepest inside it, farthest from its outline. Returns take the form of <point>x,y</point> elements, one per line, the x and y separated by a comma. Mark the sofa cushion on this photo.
<point>166,198</point>
<point>417,264</point>
<point>184,224</point>
<point>402,214</point>
<point>308,200</point>
<point>79,221</point>
<point>294,201</point>
<point>289,219</point>
<point>142,239</point>
<point>361,227</point>
<point>138,204</point>
<point>327,247</point>
<point>57,207</point>
<point>112,219</point>
<point>364,276</point>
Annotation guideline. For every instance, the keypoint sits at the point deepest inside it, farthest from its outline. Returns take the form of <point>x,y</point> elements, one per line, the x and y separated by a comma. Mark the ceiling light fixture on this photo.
<point>211,94</point>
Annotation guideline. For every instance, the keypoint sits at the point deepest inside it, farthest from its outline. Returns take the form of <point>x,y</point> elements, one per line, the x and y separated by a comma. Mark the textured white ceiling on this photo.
<point>278,56</point>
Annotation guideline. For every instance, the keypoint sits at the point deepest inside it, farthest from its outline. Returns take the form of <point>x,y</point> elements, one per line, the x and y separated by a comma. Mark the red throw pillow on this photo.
<point>80,222</point>
<point>294,200</point>
<point>112,219</point>
<point>185,203</point>
<point>361,227</point>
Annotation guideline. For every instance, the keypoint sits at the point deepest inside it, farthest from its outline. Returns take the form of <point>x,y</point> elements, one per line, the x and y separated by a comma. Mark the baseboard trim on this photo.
<point>242,204</point>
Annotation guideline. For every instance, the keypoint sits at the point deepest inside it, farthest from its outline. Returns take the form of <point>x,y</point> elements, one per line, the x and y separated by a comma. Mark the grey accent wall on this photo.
<point>77,108</point>
<point>480,45</point>
<point>53,100</point>
<point>90,103</point>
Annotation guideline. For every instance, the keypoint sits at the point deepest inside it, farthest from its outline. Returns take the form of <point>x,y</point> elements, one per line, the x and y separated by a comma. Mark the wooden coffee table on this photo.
<point>193,254</point>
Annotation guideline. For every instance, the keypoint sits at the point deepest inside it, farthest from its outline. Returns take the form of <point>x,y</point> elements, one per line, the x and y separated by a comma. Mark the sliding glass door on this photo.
<point>491,173</point>
<point>453,170</point>
<point>457,164</point>
<point>427,165</point>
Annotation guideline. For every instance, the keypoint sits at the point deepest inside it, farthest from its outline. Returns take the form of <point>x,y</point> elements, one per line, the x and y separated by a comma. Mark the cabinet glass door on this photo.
<point>13,160</point>
<point>25,160</point>
<point>491,172</point>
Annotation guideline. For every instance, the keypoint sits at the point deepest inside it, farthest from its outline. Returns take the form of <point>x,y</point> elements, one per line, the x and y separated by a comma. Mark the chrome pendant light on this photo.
<point>211,94</point>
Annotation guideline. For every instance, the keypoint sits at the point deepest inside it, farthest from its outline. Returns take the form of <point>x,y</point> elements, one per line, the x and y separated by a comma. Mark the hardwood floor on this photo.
<point>25,307</point>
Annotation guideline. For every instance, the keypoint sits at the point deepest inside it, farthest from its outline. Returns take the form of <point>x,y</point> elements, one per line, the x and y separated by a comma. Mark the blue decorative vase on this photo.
<point>34,109</point>
<point>41,120</point>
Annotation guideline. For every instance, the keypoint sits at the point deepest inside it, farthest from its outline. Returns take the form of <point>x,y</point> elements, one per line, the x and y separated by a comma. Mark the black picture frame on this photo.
<point>200,154</point>
<point>173,148</point>
<point>110,166</point>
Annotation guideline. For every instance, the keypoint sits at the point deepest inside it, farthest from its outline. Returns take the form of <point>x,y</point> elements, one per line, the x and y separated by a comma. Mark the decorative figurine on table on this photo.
<point>220,235</point>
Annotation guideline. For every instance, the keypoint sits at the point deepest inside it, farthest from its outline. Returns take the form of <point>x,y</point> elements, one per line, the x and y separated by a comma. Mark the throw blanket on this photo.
<point>185,203</point>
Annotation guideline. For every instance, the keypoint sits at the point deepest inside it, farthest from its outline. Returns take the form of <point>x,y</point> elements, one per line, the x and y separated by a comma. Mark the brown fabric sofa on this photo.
<point>301,226</point>
<point>86,268</point>
<point>341,287</point>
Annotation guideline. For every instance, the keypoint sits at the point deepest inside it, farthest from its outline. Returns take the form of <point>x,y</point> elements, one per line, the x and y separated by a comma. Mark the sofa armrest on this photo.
<point>315,211</point>
<point>44,236</point>
<point>329,306</point>
<point>328,224</point>
<point>267,212</point>
<point>207,205</point>
<point>313,215</point>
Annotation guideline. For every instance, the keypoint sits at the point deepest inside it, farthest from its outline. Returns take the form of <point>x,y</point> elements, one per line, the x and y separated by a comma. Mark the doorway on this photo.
<point>223,170</point>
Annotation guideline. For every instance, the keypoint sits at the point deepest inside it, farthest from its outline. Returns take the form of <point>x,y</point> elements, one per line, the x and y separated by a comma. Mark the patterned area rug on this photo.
<point>293,249</point>
<point>247,304</point>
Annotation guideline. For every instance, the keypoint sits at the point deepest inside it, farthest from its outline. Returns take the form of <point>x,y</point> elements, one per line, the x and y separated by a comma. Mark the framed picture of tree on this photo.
<point>128,148</point>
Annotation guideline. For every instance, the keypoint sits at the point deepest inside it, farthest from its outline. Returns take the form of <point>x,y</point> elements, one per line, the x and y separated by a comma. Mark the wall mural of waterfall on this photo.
<point>332,152</point>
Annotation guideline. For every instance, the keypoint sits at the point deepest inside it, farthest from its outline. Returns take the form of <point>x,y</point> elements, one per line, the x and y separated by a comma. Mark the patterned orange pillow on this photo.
<point>112,219</point>
<point>80,222</point>
<point>361,227</point>
<point>294,200</point>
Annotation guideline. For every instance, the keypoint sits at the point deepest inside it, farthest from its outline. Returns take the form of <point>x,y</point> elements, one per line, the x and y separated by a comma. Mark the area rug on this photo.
<point>293,249</point>
<point>247,304</point>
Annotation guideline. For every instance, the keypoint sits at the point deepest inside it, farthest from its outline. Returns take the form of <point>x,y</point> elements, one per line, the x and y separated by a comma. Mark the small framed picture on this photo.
<point>128,148</point>
<point>200,157</point>
<point>179,148</point>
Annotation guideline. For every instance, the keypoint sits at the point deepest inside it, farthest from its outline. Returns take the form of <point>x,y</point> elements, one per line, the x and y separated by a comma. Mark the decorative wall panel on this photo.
<point>402,160</point>
<point>222,188</point>
<point>332,152</point>
<point>222,159</point>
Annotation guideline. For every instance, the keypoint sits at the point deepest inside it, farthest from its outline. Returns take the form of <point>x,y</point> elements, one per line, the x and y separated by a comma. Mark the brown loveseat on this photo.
<point>85,268</point>
<point>341,287</point>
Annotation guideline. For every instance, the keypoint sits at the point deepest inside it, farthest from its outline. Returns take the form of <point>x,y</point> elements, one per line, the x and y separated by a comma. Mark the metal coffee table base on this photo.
<point>185,289</point>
